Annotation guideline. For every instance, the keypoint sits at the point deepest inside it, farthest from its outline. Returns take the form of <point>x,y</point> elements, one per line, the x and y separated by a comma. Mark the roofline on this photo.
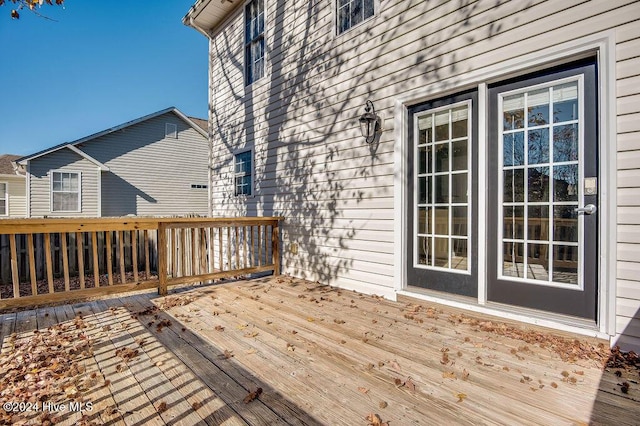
<point>86,156</point>
<point>23,160</point>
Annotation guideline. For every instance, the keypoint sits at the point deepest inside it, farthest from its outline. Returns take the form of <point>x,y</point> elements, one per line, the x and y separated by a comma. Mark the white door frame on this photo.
<point>603,45</point>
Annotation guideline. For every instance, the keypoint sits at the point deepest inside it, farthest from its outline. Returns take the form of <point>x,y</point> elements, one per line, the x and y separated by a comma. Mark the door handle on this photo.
<point>588,209</point>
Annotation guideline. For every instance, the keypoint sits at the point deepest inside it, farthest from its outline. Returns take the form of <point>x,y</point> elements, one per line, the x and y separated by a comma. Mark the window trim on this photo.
<point>171,134</point>
<point>236,175</point>
<point>376,12</point>
<point>79,210</point>
<point>5,197</point>
<point>248,43</point>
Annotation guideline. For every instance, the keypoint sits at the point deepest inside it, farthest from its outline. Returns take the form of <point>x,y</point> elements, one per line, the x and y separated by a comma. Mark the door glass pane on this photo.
<point>565,223</point>
<point>565,264</point>
<point>442,182</point>
<point>538,223</point>
<point>441,221</point>
<point>513,185</point>
<point>538,107</point>
<point>565,143</point>
<point>459,188</point>
<point>459,122</point>
<point>538,184</point>
<point>441,252</point>
<point>538,262</point>
<point>538,143</point>
<point>442,189</point>
<point>459,253</point>
<point>541,183</point>
<point>513,112</point>
<point>422,159</point>
<point>565,183</point>
<point>513,223</point>
<point>513,149</point>
<point>459,221</point>
<point>442,126</point>
<point>422,220</point>
<point>459,153</point>
<point>513,259</point>
<point>565,102</point>
<point>424,250</point>
<point>442,157</point>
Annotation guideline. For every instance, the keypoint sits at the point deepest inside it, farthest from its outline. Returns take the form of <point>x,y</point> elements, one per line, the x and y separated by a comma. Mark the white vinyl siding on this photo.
<point>311,164</point>
<point>65,191</point>
<point>4,199</point>
<point>66,161</point>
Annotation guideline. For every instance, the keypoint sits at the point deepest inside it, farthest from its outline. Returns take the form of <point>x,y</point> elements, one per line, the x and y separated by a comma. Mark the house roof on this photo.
<point>72,145</point>
<point>204,124</point>
<point>206,15</point>
<point>6,168</point>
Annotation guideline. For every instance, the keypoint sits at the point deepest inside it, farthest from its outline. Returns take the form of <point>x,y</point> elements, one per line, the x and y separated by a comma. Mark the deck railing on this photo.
<point>59,260</point>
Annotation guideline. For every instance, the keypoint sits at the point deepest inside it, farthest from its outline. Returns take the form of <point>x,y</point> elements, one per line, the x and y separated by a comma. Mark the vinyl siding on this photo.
<point>16,191</point>
<point>67,161</point>
<point>313,167</point>
<point>150,175</point>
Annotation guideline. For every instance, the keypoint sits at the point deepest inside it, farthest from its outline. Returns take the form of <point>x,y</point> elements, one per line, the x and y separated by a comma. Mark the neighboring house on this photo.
<point>155,165</point>
<point>12,188</point>
<point>498,120</point>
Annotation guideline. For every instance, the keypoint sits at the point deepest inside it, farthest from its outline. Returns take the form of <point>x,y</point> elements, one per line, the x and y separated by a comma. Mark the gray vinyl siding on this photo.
<point>313,167</point>
<point>150,175</point>
<point>17,196</point>
<point>67,161</point>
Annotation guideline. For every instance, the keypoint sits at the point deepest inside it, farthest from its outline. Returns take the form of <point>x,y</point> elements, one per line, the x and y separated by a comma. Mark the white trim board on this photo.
<point>602,44</point>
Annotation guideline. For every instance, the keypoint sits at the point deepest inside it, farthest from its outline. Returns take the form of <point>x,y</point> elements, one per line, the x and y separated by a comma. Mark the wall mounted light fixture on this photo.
<point>369,123</point>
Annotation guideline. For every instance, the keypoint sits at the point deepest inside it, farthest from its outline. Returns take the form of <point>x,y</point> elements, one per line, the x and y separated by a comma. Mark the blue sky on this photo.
<point>104,62</point>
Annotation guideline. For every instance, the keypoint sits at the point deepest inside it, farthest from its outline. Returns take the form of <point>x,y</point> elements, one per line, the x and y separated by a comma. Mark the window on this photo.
<point>254,41</point>
<point>242,173</point>
<point>65,192</point>
<point>442,182</point>
<point>170,131</point>
<point>352,12</point>
<point>4,198</point>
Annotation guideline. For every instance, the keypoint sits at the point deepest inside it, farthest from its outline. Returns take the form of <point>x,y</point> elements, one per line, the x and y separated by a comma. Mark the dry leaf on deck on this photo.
<point>449,375</point>
<point>162,407</point>
<point>251,334</point>
<point>252,395</point>
<point>465,374</point>
<point>219,328</point>
<point>461,396</point>
<point>363,389</point>
<point>375,420</point>
<point>409,384</point>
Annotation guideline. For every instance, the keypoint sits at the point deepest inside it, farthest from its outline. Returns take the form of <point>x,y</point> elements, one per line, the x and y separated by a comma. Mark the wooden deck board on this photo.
<point>321,356</point>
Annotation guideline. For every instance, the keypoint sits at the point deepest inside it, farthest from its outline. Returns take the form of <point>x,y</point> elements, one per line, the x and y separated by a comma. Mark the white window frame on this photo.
<point>171,130</point>
<point>248,78</point>
<point>336,21</point>
<point>5,197</point>
<point>450,205</point>
<point>79,191</point>
<point>241,174</point>
<point>579,79</point>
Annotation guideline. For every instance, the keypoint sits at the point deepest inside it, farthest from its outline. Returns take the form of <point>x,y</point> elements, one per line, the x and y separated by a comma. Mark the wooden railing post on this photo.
<point>275,248</point>
<point>14,266</point>
<point>162,259</point>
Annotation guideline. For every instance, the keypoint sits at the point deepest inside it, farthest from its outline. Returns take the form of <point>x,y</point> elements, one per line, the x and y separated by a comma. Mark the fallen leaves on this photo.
<point>375,420</point>
<point>461,396</point>
<point>127,354</point>
<point>252,395</point>
<point>362,389</point>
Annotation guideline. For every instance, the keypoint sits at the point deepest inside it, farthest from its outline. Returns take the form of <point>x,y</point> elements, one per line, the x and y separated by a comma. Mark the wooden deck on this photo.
<point>321,356</point>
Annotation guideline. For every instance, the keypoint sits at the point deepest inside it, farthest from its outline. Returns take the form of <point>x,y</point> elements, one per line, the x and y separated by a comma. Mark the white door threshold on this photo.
<point>529,316</point>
